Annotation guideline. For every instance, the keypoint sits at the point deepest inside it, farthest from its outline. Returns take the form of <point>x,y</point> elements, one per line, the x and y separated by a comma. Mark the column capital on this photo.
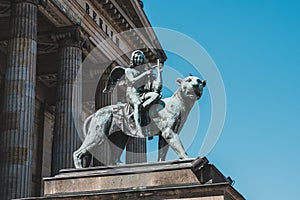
<point>71,36</point>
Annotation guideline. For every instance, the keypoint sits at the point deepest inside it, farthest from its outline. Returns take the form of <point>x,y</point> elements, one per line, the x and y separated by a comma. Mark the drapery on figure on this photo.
<point>142,90</point>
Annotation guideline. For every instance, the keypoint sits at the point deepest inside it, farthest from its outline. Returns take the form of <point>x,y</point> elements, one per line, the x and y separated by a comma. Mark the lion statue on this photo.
<point>167,119</point>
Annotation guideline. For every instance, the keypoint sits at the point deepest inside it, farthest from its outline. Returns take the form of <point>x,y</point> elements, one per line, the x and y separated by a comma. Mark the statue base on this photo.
<point>185,179</point>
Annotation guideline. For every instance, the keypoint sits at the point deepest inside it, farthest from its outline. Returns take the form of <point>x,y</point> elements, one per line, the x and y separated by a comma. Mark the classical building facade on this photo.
<point>55,56</point>
<point>43,44</point>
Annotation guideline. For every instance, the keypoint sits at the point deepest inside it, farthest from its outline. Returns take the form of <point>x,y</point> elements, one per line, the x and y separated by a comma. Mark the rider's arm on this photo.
<point>157,84</point>
<point>130,76</point>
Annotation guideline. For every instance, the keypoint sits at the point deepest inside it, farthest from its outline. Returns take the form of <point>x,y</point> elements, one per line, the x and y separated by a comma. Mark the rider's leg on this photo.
<point>148,100</point>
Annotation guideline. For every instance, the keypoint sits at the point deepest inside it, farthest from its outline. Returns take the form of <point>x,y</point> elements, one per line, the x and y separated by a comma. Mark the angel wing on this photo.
<point>114,77</point>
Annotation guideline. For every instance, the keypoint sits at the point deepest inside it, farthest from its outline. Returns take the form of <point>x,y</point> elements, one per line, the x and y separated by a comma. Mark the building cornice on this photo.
<point>123,23</point>
<point>68,13</point>
<point>53,12</point>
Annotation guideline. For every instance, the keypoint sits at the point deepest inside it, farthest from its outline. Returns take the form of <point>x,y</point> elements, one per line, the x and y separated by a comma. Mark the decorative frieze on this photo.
<point>50,80</point>
<point>95,14</point>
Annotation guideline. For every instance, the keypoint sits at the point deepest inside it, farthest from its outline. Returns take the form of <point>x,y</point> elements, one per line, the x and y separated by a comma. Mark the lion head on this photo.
<point>191,86</point>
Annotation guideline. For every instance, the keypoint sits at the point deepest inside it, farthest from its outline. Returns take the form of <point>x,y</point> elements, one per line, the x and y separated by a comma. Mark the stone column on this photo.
<point>136,150</point>
<point>68,100</point>
<point>1,107</point>
<point>19,100</point>
<point>1,97</point>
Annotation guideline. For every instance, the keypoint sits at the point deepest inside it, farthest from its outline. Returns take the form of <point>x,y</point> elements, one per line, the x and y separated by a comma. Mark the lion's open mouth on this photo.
<point>197,91</point>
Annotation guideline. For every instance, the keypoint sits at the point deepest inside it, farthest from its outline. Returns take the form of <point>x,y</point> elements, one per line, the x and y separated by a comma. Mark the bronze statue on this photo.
<point>167,118</point>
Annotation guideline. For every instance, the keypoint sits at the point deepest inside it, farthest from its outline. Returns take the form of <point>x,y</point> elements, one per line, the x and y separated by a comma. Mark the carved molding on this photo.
<point>71,36</point>
<point>45,45</point>
<point>48,79</point>
<point>4,9</point>
<point>36,2</point>
<point>126,23</point>
<point>46,48</point>
<point>5,5</point>
<point>54,14</point>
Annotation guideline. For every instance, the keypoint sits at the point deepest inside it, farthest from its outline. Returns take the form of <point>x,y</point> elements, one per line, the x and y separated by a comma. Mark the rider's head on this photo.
<point>137,58</point>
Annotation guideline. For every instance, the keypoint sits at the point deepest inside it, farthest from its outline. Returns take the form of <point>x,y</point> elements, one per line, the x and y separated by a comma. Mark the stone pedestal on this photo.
<point>19,100</point>
<point>189,179</point>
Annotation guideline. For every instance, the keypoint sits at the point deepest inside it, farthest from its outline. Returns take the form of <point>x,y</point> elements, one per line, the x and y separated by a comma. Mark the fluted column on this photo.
<point>68,102</point>
<point>1,97</point>
<point>136,150</point>
<point>1,105</point>
<point>19,100</point>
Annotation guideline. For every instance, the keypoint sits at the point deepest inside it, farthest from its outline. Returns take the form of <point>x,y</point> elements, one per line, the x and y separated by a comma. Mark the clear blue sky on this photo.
<point>256,46</point>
